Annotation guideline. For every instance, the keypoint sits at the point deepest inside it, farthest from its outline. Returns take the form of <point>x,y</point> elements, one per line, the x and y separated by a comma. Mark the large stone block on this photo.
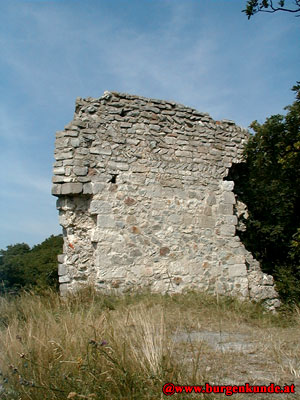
<point>61,258</point>
<point>237,270</point>
<point>59,171</point>
<point>71,188</point>
<point>100,207</point>
<point>227,230</point>
<point>64,279</point>
<point>60,179</point>
<point>105,221</point>
<point>63,156</point>
<point>63,289</point>
<point>207,222</point>
<point>80,171</point>
<point>87,188</point>
<point>226,209</point>
<point>228,198</point>
<point>62,269</point>
<point>98,187</point>
<point>56,190</point>
<point>228,185</point>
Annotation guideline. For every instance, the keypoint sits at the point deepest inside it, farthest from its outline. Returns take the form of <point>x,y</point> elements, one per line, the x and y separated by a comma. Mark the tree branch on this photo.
<point>267,6</point>
<point>279,9</point>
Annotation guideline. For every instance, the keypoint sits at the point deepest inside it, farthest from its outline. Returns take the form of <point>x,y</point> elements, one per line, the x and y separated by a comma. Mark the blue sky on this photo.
<point>201,53</point>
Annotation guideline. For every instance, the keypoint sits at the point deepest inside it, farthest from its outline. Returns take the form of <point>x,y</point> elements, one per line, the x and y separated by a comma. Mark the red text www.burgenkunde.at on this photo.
<point>169,389</point>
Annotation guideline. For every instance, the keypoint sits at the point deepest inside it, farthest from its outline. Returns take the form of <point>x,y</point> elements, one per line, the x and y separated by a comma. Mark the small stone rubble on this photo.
<point>143,202</point>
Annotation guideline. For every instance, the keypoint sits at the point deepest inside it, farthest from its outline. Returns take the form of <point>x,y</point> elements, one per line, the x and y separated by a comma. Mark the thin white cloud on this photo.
<point>10,127</point>
<point>205,70</point>
<point>18,173</point>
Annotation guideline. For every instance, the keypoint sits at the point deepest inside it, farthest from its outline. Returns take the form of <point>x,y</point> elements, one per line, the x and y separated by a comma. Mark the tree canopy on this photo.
<point>270,6</point>
<point>21,266</point>
<point>269,183</point>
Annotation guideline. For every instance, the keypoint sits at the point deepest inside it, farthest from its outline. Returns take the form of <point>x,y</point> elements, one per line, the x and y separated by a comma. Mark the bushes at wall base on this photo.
<point>269,183</point>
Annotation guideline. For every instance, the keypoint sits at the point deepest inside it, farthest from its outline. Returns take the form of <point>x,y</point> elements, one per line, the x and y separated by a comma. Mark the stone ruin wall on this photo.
<point>143,201</point>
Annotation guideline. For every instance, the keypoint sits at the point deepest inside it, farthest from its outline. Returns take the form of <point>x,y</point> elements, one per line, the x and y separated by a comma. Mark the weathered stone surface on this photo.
<point>227,230</point>
<point>163,251</point>
<point>71,188</point>
<point>59,171</point>
<point>237,270</point>
<point>207,222</point>
<point>100,207</point>
<point>56,190</point>
<point>129,201</point>
<point>228,185</point>
<point>87,188</point>
<point>143,200</point>
<point>62,269</point>
<point>228,198</point>
<point>60,179</point>
<point>105,221</point>
<point>80,171</point>
<point>97,187</point>
<point>63,288</point>
<point>61,258</point>
<point>64,279</point>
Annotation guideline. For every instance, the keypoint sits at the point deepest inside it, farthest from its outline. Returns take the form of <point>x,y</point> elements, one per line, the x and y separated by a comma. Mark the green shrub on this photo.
<point>22,267</point>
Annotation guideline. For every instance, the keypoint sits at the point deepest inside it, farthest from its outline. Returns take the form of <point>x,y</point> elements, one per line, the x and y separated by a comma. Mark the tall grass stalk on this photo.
<point>97,346</point>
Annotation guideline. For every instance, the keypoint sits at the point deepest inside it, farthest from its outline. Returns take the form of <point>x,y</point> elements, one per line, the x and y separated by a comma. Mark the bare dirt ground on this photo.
<point>244,354</point>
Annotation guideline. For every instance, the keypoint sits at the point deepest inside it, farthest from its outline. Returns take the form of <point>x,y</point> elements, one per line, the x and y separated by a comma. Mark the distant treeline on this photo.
<point>268,182</point>
<point>25,267</point>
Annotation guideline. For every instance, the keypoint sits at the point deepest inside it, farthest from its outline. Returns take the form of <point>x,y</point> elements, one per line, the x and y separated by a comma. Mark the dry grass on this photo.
<point>108,347</point>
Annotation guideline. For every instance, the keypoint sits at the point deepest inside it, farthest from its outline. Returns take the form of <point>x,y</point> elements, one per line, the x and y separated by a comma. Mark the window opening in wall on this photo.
<point>113,179</point>
<point>123,112</point>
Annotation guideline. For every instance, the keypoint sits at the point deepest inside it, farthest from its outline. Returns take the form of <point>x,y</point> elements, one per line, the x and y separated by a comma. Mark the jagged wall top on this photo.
<point>165,131</point>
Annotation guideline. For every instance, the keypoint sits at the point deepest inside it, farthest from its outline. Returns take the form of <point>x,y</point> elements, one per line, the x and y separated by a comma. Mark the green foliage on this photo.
<point>22,267</point>
<point>255,6</point>
<point>11,264</point>
<point>269,183</point>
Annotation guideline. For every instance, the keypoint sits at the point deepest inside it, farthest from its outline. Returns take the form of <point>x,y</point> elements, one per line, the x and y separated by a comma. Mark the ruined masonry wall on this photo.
<point>143,201</point>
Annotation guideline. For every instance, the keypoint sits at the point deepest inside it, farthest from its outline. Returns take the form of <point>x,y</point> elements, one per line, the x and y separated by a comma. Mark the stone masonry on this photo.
<point>143,202</point>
